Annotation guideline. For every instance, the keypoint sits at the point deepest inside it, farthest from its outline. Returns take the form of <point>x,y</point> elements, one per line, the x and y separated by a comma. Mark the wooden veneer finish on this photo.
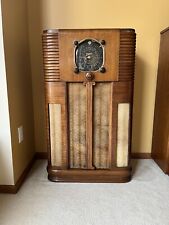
<point>83,159</point>
<point>160,140</point>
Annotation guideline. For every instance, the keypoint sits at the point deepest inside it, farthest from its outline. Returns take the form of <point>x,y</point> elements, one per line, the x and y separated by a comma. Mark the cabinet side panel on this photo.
<point>123,134</point>
<point>55,134</point>
<point>56,115</point>
<point>77,124</point>
<point>102,97</point>
<point>160,140</point>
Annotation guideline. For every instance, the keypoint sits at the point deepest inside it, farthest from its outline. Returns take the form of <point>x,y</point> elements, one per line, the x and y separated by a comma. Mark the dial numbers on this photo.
<point>89,55</point>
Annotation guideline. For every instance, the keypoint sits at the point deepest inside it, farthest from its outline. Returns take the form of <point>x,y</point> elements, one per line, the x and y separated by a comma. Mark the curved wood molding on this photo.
<point>51,56</point>
<point>127,55</point>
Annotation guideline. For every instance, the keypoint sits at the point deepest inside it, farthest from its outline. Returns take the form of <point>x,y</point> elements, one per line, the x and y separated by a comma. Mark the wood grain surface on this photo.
<point>160,141</point>
<point>91,123</point>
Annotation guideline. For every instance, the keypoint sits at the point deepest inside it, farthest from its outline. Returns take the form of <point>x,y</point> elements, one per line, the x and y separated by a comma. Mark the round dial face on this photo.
<point>89,55</point>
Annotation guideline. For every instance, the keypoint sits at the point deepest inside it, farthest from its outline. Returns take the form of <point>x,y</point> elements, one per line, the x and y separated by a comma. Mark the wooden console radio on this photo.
<point>89,75</point>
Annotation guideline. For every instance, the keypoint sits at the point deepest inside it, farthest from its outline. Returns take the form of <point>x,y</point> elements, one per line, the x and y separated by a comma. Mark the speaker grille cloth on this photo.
<point>77,124</point>
<point>122,134</point>
<point>101,117</point>
<point>55,134</point>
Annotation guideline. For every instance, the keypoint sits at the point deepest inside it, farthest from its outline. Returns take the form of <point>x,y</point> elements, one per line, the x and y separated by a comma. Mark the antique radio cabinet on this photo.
<point>89,76</point>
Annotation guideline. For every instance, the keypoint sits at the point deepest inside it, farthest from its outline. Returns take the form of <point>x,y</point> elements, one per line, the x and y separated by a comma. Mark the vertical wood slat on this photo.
<point>47,128</point>
<point>89,125</point>
<point>111,127</point>
<point>113,160</point>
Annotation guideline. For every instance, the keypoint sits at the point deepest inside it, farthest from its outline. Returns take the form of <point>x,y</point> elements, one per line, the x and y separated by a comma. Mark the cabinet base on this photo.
<point>117,175</point>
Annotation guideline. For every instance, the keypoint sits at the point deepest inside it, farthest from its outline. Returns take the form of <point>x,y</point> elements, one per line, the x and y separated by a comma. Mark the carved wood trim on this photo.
<point>127,55</point>
<point>51,56</point>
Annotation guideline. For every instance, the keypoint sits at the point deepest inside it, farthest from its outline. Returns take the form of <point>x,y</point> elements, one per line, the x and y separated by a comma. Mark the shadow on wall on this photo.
<point>35,39</point>
<point>4,168</point>
<point>139,96</point>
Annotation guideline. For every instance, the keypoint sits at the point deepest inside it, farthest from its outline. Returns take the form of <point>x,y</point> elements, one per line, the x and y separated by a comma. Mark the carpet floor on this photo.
<point>143,201</point>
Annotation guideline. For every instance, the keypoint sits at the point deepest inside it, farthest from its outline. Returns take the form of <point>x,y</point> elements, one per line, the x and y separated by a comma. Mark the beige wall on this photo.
<point>6,165</point>
<point>18,71</point>
<point>35,31</point>
<point>148,17</point>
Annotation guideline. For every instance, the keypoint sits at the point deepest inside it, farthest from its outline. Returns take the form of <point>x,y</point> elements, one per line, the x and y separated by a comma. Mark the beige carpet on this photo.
<point>143,201</point>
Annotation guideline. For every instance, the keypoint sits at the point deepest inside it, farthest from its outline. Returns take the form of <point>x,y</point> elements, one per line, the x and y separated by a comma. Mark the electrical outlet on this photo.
<point>20,134</point>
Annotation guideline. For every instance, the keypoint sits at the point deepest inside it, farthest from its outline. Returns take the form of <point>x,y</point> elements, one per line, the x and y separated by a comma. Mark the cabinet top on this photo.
<point>57,30</point>
<point>107,54</point>
<point>165,30</point>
